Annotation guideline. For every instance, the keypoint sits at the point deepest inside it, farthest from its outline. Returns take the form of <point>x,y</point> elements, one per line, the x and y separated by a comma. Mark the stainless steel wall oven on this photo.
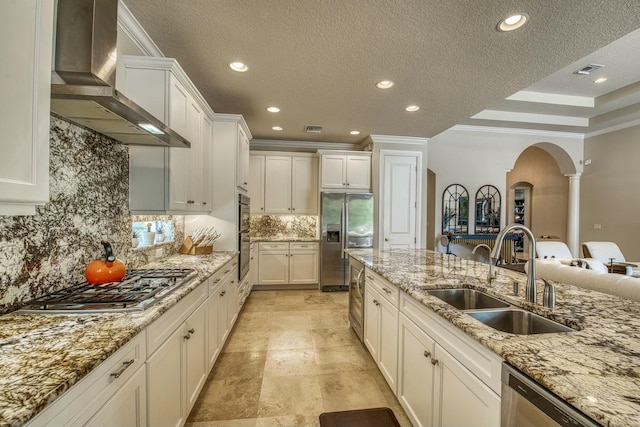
<point>244,218</point>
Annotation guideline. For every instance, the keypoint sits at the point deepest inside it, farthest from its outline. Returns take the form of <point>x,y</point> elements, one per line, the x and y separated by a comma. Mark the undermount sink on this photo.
<point>515,321</point>
<point>467,299</point>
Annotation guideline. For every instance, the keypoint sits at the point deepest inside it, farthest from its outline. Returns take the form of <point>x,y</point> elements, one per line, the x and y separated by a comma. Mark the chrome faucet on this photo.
<point>531,289</point>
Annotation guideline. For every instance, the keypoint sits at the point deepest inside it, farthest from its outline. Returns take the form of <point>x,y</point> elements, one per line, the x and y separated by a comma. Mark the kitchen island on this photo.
<point>43,355</point>
<point>596,368</point>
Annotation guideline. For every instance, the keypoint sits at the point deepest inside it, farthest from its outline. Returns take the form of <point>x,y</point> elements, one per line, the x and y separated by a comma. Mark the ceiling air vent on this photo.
<point>589,68</point>
<point>313,129</point>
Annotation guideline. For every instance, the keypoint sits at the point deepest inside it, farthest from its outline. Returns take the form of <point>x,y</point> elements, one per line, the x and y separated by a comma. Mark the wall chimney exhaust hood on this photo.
<point>83,81</point>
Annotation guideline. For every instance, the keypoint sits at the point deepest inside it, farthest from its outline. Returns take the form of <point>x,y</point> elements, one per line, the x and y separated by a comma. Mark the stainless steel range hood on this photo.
<point>83,81</point>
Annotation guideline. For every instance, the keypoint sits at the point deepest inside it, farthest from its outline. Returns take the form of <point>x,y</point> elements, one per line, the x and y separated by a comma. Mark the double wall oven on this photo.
<point>244,243</point>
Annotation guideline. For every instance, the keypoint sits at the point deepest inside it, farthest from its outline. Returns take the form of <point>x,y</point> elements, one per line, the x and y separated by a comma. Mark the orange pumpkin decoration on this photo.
<point>105,270</point>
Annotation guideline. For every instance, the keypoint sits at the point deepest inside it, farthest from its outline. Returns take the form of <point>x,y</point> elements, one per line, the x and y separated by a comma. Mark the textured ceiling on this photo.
<point>319,60</point>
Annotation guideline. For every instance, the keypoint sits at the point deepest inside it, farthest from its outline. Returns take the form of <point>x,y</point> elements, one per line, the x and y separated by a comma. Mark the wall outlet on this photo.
<point>587,162</point>
<point>597,226</point>
<point>159,252</point>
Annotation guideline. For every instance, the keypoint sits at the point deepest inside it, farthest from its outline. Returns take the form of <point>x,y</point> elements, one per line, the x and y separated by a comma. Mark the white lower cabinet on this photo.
<point>288,263</point>
<point>381,331</point>
<point>434,387</point>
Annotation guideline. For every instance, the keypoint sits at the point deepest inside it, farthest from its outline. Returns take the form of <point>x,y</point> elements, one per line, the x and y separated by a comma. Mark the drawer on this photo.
<point>273,246</point>
<point>303,246</point>
<point>388,291</point>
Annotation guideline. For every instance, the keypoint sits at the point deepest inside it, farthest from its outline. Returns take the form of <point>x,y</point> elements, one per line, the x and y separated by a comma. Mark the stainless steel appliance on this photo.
<point>244,243</point>
<point>139,290</point>
<point>83,81</point>
<point>527,404</point>
<point>356,297</point>
<point>346,222</point>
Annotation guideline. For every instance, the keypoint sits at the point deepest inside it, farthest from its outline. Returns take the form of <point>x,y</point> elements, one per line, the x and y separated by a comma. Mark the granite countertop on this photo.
<point>596,368</point>
<point>43,355</point>
<point>284,239</point>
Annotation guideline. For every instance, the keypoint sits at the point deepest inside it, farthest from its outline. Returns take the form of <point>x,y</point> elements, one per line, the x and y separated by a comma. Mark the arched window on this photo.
<point>455,210</point>
<point>487,210</point>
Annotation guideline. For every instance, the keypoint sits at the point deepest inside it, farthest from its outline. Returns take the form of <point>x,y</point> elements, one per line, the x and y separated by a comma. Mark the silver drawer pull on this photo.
<point>226,271</point>
<point>427,354</point>
<point>123,368</point>
<point>222,293</point>
<point>386,290</point>
<point>189,333</point>
<point>434,362</point>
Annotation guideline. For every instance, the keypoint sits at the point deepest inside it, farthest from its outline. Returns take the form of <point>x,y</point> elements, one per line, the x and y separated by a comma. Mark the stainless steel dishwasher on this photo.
<point>527,404</point>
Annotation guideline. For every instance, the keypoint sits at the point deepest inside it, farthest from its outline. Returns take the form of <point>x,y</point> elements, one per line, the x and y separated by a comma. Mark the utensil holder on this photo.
<point>190,248</point>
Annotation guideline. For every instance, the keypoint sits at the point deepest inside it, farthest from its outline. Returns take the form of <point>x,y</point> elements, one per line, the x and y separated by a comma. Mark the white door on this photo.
<point>399,201</point>
<point>256,184</point>
<point>359,172</point>
<point>416,373</point>
<point>334,170</point>
<point>304,185</point>
<point>455,387</point>
<point>277,185</point>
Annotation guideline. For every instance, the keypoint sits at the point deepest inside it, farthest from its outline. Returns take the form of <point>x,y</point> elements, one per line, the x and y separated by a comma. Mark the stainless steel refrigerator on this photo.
<point>346,222</point>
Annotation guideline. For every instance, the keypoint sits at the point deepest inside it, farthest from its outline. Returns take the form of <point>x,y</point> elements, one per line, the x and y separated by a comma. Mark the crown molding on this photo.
<point>514,131</point>
<point>130,25</point>
<point>610,129</point>
<point>300,146</point>
<point>396,139</point>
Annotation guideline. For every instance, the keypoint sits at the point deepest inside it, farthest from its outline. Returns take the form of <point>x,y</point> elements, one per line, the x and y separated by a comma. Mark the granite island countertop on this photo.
<point>596,369</point>
<point>284,239</point>
<point>43,355</point>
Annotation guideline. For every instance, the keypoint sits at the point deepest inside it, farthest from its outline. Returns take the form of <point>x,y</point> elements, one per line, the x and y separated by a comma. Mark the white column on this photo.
<point>573,218</point>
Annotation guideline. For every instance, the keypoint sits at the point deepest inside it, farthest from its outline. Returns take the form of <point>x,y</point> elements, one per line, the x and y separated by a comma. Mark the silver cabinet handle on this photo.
<point>189,333</point>
<point>223,293</point>
<point>434,362</point>
<point>427,354</point>
<point>375,301</point>
<point>386,290</point>
<point>123,368</point>
<point>386,239</point>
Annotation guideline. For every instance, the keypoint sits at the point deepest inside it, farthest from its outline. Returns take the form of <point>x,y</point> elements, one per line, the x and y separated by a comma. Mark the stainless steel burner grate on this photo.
<point>139,289</point>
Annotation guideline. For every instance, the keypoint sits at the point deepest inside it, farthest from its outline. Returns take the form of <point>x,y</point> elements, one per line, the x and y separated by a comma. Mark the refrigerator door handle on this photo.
<point>345,217</point>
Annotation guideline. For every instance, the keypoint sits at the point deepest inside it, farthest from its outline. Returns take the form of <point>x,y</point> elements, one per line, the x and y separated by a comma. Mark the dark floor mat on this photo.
<point>375,417</point>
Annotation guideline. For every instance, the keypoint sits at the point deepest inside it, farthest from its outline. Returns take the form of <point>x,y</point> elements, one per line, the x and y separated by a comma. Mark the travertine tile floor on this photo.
<point>291,357</point>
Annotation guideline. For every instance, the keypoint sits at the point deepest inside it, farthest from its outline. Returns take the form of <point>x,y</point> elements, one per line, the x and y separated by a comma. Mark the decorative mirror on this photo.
<point>455,210</point>
<point>487,210</point>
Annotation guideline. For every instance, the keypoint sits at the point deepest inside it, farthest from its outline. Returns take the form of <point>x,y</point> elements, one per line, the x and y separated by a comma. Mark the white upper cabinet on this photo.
<point>256,183</point>
<point>290,183</point>
<point>242,171</point>
<point>345,170</point>
<point>160,86</point>
<point>25,84</point>
<point>277,179</point>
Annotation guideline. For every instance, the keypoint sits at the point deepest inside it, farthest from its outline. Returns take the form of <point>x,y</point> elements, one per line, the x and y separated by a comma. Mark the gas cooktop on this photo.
<point>140,289</point>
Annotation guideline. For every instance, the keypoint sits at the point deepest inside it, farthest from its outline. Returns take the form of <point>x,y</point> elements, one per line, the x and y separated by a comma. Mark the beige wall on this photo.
<point>610,190</point>
<point>548,210</point>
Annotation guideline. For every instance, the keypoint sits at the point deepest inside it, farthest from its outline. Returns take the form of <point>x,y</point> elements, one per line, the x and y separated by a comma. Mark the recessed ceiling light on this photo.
<point>412,108</point>
<point>276,128</point>
<point>513,22</point>
<point>355,132</point>
<point>384,84</point>
<point>240,67</point>
<point>273,109</point>
<point>600,80</point>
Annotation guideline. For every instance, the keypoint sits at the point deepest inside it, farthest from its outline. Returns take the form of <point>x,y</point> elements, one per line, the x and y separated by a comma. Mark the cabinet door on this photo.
<point>194,164</point>
<point>196,364</point>
<point>253,268</point>
<point>273,267</point>
<point>416,373</point>
<point>358,172</point>
<point>165,387</point>
<point>455,384</point>
<point>399,202</point>
<point>25,84</point>
<point>256,184</point>
<point>178,107</point>
<point>277,185</point>
<point>303,266</point>
<point>372,321</point>
<point>233,299</point>
<point>304,185</point>
<point>334,171</point>
<point>127,407</point>
<point>242,168</point>
<point>203,203</point>
<point>214,343</point>
<point>388,341</point>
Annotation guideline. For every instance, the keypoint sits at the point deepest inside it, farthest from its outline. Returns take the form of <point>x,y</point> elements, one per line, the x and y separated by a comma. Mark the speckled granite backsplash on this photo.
<point>300,226</point>
<point>89,200</point>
